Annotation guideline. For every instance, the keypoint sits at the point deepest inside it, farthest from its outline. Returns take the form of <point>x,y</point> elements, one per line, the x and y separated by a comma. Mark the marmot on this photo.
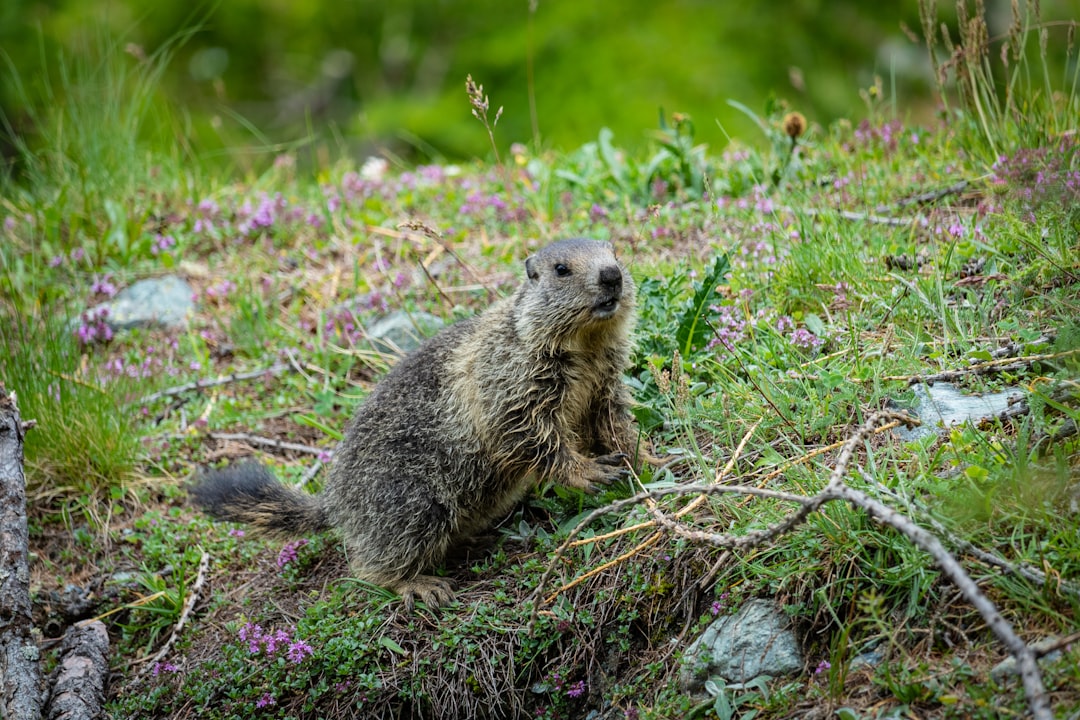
<point>458,431</point>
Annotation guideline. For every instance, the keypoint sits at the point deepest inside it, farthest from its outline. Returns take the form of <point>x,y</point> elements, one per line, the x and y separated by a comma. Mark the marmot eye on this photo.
<point>561,270</point>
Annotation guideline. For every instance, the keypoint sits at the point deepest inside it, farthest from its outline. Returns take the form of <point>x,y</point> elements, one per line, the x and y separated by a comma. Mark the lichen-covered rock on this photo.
<point>757,640</point>
<point>402,331</point>
<point>162,302</point>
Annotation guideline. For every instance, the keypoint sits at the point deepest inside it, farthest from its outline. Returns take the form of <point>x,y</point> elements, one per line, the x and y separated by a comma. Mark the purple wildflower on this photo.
<point>577,689</point>
<point>162,243</point>
<point>94,327</point>
<point>288,552</point>
<point>221,290</point>
<point>803,338</point>
<point>298,651</point>
<point>103,284</point>
<point>265,701</point>
<point>822,667</point>
<point>271,641</point>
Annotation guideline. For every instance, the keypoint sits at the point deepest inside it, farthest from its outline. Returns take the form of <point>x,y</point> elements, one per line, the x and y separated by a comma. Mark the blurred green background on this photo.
<point>363,77</point>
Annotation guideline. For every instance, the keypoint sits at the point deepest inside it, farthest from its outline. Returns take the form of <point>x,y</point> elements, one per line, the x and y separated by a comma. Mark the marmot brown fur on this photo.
<point>459,430</point>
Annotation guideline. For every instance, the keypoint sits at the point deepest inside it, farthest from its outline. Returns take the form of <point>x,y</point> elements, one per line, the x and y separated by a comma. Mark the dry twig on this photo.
<point>203,384</point>
<point>189,604</point>
<point>268,442</point>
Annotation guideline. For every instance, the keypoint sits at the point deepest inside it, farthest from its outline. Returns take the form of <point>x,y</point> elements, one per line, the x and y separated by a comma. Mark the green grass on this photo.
<point>85,446</point>
<point>775,305</point>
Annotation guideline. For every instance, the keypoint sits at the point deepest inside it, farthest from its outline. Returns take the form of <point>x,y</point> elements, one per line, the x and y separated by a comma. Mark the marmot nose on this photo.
<point>611,279</point>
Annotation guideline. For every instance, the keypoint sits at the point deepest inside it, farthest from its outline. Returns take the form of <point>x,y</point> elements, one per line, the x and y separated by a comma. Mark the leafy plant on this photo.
<point>692,328</point>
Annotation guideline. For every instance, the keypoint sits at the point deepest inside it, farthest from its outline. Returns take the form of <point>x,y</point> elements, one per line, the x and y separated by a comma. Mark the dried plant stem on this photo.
<point>643,545</point>
<point>803,459</point>
<point>682,511</point>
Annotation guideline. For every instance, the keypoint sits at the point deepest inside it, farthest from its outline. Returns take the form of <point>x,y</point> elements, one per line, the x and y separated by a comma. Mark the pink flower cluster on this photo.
<point>288,552</point>
<point>271,642</point>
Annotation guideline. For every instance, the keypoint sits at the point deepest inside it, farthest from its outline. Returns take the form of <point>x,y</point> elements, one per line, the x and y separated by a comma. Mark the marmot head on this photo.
<point>575,288</point>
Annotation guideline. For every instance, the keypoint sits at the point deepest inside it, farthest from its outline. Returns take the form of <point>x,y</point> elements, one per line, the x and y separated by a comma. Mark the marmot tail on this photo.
<point>249,493</point>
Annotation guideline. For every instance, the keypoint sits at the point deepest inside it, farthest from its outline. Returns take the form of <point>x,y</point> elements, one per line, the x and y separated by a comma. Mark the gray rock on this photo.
<point>401,331</point>
<point>942,405</point>
<point>164,301</point>
<point>867,659</point>
<point>1008,666</point>
<point>755,641</point>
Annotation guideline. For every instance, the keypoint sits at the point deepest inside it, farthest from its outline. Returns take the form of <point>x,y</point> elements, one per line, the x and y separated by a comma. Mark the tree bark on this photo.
<point>20,673</point>
<point>78,683</point>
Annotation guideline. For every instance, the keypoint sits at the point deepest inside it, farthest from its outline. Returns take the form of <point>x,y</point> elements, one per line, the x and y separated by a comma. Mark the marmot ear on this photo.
<point>530,268</point>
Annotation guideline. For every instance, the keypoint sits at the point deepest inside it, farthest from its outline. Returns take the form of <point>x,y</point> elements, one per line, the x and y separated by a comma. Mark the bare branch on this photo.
<point>203,384</point>
<point>268,442</point>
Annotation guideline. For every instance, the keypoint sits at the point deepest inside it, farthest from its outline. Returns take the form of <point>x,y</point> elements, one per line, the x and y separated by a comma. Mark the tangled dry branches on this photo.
<point>836,489</point>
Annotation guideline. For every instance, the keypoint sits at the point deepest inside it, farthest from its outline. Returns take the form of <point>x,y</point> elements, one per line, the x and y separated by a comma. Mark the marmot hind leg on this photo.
<point>433,591</point>
<point>401,564</point>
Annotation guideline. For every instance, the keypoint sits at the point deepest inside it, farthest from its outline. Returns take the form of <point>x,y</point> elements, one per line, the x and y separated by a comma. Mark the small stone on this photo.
<point>401,331</point>
<point>757,640</point>
<point>1008,666</point>
<point>868,659</point>
<point>942,405</point>
<point>164,301</point>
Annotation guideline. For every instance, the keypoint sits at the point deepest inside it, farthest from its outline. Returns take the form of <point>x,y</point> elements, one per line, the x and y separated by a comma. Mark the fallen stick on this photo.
<point>78,683</point>
<point>203,384</point>
<point>189,604</point>
<point>268,442</point>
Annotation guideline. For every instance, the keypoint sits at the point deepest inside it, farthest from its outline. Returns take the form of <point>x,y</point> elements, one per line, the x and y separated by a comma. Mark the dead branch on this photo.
<point>268,442</point>
<point>858,216</point>
<point>223,380</point>
<point>836,489</point>
<point>78,683</point>
<point>310,475</point>
<point>193,597</point>
<point>927,197</point>
<point>20,675</point>
<point>1027,572</point>
<point>984,368</point>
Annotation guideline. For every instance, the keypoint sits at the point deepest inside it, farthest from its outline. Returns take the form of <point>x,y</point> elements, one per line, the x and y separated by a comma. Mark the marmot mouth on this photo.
<point>606,308</point>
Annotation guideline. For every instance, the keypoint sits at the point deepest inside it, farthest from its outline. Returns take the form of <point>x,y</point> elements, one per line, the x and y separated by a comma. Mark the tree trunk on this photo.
<point>20,673</point>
